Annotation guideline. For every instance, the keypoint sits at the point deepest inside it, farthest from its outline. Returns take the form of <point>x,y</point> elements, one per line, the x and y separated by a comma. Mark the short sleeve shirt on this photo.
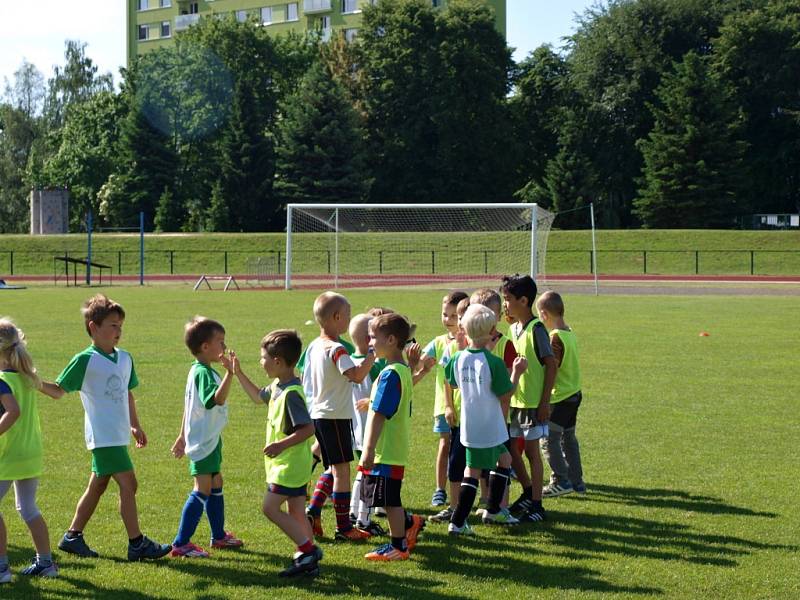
<point>296,409</point>
<point>329,393</point>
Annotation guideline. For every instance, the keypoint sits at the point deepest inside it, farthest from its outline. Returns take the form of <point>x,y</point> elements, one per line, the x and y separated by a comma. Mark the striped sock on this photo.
<point>341,504</point>
<point>323,489</point>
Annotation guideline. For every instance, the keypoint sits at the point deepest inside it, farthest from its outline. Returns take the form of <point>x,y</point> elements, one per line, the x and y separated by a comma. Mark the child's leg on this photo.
<point>322,490</point>
<point>466,496</point>
<point>294,523</point>
<point>5,485</point>
<point>537,468</point>
<point>441,460</point>
<point>355,497</point>
<point>126,480</point>
<point>519,466</point>
<point>484,484</point>
<point>499,479</point>
<point>551,448</point>
<point>457,462</point>
<point>341,495</point>
<point>88,502</point>
<point>25,492</point>
<point>396,516</point>
<point>215,508</point>
<point>572,452</point>
<point>193,509</point>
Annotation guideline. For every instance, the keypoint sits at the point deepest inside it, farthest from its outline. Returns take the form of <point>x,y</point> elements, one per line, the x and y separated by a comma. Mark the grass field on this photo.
<point>619,252</point>
<point>689,448</point>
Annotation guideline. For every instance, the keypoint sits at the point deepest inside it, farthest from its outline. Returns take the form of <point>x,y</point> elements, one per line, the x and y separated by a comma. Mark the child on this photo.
<point>327,380</point>
<point>386,440</point>
<point>560,447</point>
<point>433,353</point>
<point>104,375</point>
<point>530,406</point>
<point>21,448</point>
<point>205,414</point>
<point>287,453</point>
<point>359,333</point>
<point>485,389</point>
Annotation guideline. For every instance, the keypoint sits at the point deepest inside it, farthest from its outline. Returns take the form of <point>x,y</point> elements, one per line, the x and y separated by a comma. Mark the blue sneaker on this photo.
<point>38,569</point>
<point>147,550</point>
<point>77,546</point>
<point>580,488</point>
<point>5,575</point>
<point>554,489</point>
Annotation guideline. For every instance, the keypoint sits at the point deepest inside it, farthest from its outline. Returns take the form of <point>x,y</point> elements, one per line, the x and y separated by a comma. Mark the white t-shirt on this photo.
<point>204,419</point>
<point>482,378</point>
<point>328,392</point>
<point>360,391</point>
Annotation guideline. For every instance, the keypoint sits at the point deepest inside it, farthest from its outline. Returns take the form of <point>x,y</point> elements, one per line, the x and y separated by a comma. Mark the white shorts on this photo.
<point>524,425</point>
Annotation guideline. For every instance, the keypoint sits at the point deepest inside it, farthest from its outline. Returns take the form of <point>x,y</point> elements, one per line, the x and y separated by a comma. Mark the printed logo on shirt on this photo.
<point>114,389</point>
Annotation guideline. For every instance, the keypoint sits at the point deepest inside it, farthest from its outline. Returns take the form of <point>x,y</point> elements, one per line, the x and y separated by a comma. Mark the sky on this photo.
<point>35,30</point>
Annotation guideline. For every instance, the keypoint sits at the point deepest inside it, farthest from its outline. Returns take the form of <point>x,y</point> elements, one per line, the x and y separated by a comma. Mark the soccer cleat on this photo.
<point>5,575</point>
<point>503,517</point>
<point>580,488</point>
<point>37,569</point>
<point>534,515</point>
<point>387,552</point>
<point>304,563</point>
<point>352,535</point>
<point>479,512</point>
<point>316,524</point>
<point>372,528</point>
<point>442,516</point>
<point>353,519</point>
<point>465,529</point>
<point>417,525</point>
<point>76,546</point>
<point>551,490</point>
<point>439,498</point>
<point>147,550</point>
<point>189,550</point>
<point>229,541</point>
<point>520,506</point>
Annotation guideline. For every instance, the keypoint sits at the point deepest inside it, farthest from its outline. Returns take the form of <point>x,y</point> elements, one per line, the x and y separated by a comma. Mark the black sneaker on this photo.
<point>147,550</point>
<point>534,515</point>
<point>77,546</point>
<point>521,506</point>
<point>372,527</point>
<point>304,563</point>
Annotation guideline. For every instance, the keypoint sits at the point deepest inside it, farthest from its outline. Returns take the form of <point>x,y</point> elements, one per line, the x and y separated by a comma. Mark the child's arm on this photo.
<point>221,395</point>
<point>250,388</point>
<point>550,370</point>
<point>375,423</point>
<point>301,434</point>
<point>517,369</point>
<point>53,390</point>
<point>449,407</point>
<point>136,429</point>
<point>11,414</point>
<point>179,447</point>
<point>357,374</point>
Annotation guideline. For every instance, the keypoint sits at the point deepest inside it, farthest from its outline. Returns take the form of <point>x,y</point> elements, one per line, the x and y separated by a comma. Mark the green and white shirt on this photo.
<point>103,381</point>
<point>204,419</point>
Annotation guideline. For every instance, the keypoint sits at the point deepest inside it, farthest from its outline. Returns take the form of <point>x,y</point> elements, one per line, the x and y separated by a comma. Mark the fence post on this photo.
<point>329,262</point>
<point>171,256</point>
<point>591,262</point>
<point>644,257</point>
<point>485,262</point>
<point>752,262</point>
<point>119,262</point>
<point>226,262</point>
<point>279,262</point>
<point>380,262</point>
<point>696,262</point>
<point>433,262</point>
<point>11,260</point>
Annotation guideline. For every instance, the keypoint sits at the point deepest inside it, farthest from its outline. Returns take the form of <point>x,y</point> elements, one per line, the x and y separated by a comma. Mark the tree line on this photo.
<point>663,113</point>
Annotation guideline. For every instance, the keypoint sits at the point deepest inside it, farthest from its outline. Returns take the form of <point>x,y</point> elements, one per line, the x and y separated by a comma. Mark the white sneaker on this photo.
<point>465,529</point>
<point>502,517</point>
<point>552,490</point>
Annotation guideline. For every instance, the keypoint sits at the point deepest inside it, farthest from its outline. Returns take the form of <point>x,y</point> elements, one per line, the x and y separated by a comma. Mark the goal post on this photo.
<point>362,245</point>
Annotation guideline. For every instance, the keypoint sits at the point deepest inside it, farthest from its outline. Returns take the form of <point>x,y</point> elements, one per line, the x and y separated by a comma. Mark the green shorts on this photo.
<point>110,460</point>
<point>484,458</point>
<point>210,465</point>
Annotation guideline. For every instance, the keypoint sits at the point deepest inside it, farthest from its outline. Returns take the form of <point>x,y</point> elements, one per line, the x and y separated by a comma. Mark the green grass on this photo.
<point>619,252</point>
<point>689,447</point>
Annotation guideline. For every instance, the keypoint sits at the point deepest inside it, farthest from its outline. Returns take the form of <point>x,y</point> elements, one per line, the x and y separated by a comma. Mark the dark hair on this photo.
<point>520,286</point>
<point>453,298</point>
<point>392,324</point>
<point>200,330</point>
<point>97,309</point>
<point>283,343</point>
<point>462,307</point>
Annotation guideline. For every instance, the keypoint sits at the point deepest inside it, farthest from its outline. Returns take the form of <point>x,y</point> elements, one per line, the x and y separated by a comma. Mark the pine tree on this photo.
<point>693,155</point>
<point>321,157</point>
<point>217,215</point>
<point>169,212</point>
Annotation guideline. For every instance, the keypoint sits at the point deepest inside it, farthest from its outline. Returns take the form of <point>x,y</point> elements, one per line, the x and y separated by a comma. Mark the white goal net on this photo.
<point>363,245</point>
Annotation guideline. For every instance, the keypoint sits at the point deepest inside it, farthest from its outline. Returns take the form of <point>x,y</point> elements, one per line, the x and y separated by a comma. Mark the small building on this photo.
<point>775,221</point>
<point>49,211</point>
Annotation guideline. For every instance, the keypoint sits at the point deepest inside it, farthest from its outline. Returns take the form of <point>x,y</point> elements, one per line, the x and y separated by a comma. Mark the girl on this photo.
<point>21,447</point>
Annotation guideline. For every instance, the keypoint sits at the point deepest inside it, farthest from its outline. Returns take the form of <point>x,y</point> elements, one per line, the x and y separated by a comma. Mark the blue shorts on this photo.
<point>440,424</point>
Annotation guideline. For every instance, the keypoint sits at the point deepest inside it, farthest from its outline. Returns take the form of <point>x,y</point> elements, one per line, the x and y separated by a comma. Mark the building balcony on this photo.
<point>316,6</point>
<point>185,21</point>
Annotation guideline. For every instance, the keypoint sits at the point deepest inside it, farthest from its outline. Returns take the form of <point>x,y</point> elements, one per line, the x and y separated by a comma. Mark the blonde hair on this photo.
<point>15,352</point>
<point>487,297</point>
<point>478,322</point>
<point>359,327</point>
<point>327,304</point>
<point>552,303</point>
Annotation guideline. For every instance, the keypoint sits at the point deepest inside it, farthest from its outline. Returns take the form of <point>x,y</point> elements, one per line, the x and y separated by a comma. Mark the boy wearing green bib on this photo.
<point>386,439</point>
<point>560,447</point>
<point>287,453</point>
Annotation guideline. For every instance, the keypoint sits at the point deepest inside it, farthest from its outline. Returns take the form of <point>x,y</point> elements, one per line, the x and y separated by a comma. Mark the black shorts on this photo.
<point>457,459</point>
<point>565,413</point>
<point>335,437</point>
<point>377,490</point>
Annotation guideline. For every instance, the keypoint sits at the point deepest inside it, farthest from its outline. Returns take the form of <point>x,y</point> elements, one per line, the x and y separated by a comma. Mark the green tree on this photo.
<point>693,155</point>
<point>217,216</point>
<point>320,156</point>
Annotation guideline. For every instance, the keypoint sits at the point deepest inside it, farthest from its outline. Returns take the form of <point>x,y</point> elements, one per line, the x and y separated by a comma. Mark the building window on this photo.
<point>266,15</point>
<point>165,29</point>
<point>165,3</point>
<point>348,6</point>
<point>144,32</point>
<point>350,34</point>
<point>241,16</point>
<point>141,4</point>
<point>325,22</point>
<point>291,11</point>
<point>194,8</point>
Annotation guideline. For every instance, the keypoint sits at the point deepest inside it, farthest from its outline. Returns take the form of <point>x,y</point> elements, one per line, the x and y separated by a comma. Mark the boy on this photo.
<point>104,375</point>
<point>327,380</point>
<point>386,440</point>
<point>485,389</point>
<point>560,447</point>
<point>530,406</point>
<point>205,414</point>
<point>433,353</point>
<point>287,454</point>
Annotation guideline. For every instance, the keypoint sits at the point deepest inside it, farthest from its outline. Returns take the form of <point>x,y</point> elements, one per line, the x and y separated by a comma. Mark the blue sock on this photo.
<point>3,563</point>
<point>190,517</point>
<point>215,509</point>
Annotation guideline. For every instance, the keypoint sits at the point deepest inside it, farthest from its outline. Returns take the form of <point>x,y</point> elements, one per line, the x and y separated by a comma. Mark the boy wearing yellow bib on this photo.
<point>287,453</point>
<point>560,447</point>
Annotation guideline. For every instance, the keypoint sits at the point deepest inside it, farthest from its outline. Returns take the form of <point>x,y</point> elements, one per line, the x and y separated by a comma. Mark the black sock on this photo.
<point>137,540</point>
<point>498,480</point>
<point>399,543</point>
<point>409,520</point>
<point>466,498</point>
<point>527,492</point>
<point>74,533</point>
<point>537,505</point>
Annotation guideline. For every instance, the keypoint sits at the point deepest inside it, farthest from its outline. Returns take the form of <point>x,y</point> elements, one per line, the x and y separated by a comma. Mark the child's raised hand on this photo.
<point>227,361</point>
<point>461,339</point>
<point>179,448</point>
<point>235,362</point>
<point>362,405</point>
<point>413,353</point>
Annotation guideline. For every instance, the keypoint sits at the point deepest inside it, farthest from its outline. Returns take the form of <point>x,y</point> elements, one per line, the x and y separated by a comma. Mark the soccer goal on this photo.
<point>363,245</point>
